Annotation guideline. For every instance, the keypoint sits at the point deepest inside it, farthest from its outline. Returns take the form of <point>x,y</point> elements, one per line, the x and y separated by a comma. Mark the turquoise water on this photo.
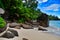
<point>55,26</point>
<point>54,23</point>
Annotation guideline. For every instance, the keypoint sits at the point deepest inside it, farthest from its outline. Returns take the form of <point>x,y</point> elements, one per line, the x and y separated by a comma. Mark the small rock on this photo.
<point>25,39</point>
<point>8,34</point>
<point>13,31</point>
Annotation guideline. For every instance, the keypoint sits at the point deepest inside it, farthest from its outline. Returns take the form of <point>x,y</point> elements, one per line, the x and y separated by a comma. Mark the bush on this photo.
<point>2,23</point>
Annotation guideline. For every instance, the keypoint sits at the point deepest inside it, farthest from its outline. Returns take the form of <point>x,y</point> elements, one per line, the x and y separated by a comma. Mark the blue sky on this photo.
<point>50,7</point>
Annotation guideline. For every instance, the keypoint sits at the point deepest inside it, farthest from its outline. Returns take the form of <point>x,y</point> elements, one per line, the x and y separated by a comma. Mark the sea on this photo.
<point>55,27</point>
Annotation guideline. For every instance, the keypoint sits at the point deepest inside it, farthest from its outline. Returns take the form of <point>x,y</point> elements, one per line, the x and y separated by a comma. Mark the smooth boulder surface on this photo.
<point>13,31</point>
<point>25,26</point>
<point>42,28</point>
<point>18,27</point>
<point>13,25</point>
<point>8,34</point>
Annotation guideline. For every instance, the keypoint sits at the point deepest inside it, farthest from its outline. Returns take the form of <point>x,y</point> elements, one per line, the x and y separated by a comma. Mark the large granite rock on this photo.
<point>25,26</point>
<point>15,25</point>
<point>12,25</point>
<point>10,34</point>
<point>42,28</point>
<point>43,20</point>
<point>13,31</point>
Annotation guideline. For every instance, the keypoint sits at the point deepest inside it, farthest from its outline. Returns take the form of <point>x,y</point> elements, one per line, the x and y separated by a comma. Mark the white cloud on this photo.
<point>41,1</point>
<point>54,7</point>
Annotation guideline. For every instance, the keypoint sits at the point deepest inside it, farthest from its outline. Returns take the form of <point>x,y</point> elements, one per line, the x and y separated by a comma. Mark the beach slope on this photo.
<point>33,34</point>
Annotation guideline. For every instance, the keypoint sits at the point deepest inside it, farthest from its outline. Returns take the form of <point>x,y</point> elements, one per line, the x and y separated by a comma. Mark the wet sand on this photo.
<point>33,34</point>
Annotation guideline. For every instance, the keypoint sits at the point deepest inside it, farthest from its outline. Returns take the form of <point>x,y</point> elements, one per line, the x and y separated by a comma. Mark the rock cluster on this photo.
<point>18,26</point>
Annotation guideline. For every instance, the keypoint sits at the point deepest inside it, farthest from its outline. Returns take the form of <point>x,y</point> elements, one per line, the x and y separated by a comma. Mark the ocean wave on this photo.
<point>54,30</point>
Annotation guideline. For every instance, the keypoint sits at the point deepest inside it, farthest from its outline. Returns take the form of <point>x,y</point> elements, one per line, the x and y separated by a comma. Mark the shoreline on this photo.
<point>54,31</point>
<point>33,34</point>
<point>51,30</point>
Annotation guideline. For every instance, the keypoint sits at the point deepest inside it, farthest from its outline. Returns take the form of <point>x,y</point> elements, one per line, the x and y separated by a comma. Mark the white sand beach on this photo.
<point>33,34</point>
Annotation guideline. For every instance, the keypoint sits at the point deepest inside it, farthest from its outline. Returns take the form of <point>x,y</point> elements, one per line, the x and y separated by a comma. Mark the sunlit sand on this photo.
<point>33,34</point>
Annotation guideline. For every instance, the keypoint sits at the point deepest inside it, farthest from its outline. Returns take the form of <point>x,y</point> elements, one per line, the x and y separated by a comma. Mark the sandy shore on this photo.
<point>33,34</point>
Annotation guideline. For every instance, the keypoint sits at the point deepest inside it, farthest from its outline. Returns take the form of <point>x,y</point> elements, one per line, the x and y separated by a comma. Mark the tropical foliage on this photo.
<point>2,23</point>
<point>19,10</point>
<point>51,17</point>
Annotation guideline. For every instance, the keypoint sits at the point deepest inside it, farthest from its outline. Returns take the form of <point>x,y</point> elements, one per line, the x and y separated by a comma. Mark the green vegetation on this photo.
<point>19,11</point>
<point>2,23</point>
<point>53,17</point>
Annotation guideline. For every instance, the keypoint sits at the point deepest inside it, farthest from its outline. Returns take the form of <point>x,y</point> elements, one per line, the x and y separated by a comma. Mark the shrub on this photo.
<point>2,23</point>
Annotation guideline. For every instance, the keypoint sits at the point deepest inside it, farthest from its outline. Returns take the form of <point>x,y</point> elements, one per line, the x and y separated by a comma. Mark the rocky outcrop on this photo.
<point>43,20</point>
<point>19,25</point>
